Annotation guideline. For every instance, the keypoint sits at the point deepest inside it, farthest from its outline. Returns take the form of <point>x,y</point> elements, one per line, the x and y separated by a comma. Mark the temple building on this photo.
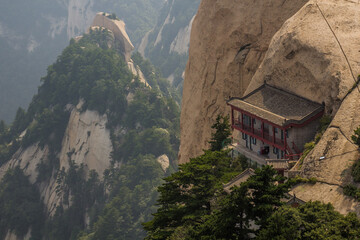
<point>270,123</point>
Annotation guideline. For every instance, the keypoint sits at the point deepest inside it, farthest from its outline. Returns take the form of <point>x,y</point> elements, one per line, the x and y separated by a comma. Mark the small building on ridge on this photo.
<point>270,123</point>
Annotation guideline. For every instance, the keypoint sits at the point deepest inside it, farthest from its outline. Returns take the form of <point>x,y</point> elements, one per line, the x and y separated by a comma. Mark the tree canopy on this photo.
<point>221,137</point>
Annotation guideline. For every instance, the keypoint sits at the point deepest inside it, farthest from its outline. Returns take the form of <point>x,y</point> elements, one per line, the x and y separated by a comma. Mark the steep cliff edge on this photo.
<point>229,40</point>
<point>313,52</point>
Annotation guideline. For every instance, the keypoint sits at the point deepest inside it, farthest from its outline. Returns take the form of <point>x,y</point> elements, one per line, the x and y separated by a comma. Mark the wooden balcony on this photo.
<point>260,135</point>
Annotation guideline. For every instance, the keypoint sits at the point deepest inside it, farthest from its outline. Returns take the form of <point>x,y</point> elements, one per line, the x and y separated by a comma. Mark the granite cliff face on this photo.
<point>229,39</point>
<point>310,48</point>
<point>86,141</point>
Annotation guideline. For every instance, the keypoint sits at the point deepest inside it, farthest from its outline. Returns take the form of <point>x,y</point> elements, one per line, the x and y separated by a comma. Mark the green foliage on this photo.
<point>324,123</point>
<point>266,190</point>
<point>186,195</point>
<point>313,220</point>
<point>132,197</point>
<point>113,16</point>
<point>221,137</point>
<point>352,191</point>
<point>299,179</point>
<point>20,205</point>
<point>355,171</point>
<point>356,136</point>
<point>231,220</point>
<point>85,193</point>
<point>154,123</point>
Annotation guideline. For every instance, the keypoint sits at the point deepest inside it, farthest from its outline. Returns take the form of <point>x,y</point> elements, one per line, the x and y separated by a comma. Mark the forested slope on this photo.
<point>142,124</point>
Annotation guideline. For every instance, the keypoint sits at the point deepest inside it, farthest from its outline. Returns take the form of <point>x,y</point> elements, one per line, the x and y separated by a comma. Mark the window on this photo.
<point>254,121</point>
<point>282,154</point>
<point>275,150</point>
<point>275,129</point>
<point>244,136</point>
<point>253,140</point>
<point>247,120</point>
<point>287,133</point>
<point>282,135</point>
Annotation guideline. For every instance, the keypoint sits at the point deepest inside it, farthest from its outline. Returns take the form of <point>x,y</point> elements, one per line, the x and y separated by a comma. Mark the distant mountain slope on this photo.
<point>33,33</point>
<point>167,44</point>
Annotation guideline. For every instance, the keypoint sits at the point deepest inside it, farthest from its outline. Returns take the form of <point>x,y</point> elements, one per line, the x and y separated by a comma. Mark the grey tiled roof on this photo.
<point>242,177</point>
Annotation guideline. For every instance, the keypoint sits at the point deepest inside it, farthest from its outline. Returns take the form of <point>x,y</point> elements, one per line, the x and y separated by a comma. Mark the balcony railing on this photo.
<point>258,134</point>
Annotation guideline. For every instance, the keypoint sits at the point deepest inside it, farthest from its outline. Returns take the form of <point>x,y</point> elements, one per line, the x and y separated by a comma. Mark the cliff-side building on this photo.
<point>270,123</point>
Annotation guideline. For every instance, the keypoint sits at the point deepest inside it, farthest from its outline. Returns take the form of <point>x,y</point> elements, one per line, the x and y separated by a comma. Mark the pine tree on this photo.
<point>221,137</point>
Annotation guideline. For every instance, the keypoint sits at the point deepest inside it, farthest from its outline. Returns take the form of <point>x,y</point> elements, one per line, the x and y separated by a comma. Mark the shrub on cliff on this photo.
<point>356,136</point>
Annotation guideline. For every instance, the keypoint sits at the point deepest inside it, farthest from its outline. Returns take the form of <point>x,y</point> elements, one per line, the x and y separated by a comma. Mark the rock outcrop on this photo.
<point>164,162</point>
<point>310,48</point>
<point>86,141</point>
<point>315,54</point>
<point>117,27</point>
<point>229,40</point>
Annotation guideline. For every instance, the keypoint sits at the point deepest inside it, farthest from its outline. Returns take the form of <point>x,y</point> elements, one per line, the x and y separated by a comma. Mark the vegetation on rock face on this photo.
<point>132,200</point>
<point>20,206</point>
<point>143,124</point>
<point>324,123</point>
<point>221,137</point>
<point>356,136</point>
<point>350,189</point>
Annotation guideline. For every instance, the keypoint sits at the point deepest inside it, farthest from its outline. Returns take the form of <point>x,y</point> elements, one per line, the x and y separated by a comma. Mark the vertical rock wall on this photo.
<point>229,39</point>
<point>311,49</point>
